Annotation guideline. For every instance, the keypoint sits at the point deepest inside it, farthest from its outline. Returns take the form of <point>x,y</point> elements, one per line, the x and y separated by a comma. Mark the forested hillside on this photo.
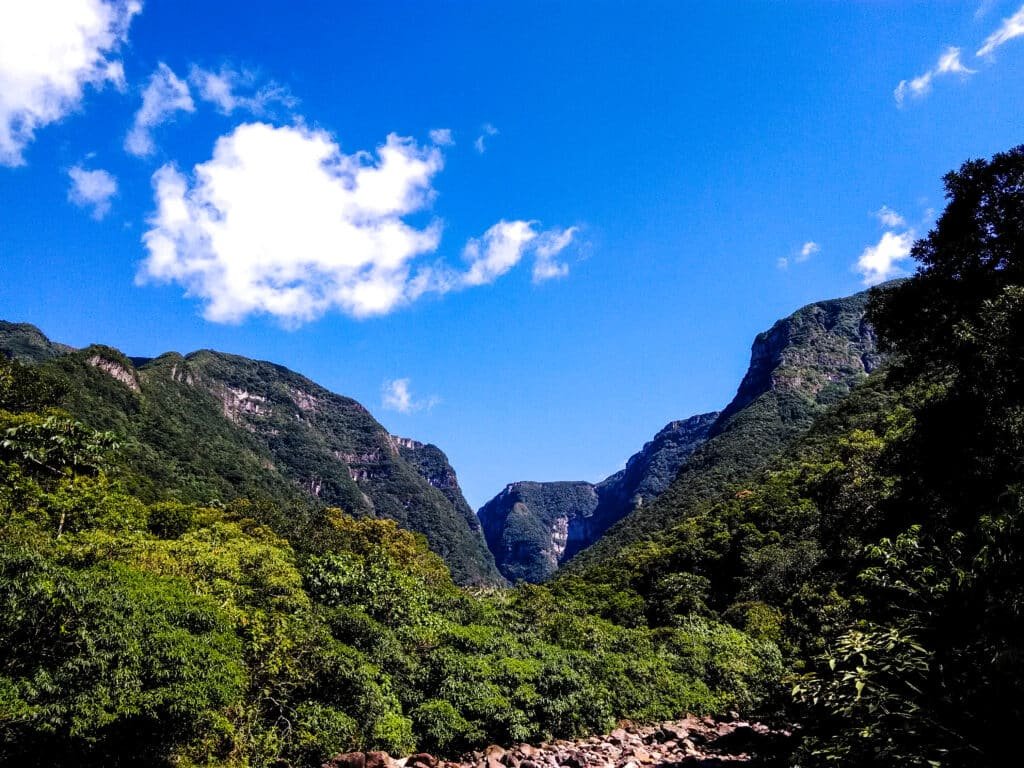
<point>211,427</point>
<point>883,550</point>
<point>137,632</point>
<point>798,368</point>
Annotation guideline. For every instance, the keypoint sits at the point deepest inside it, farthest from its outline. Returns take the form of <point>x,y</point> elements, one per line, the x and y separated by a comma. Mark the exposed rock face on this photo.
<point>527,525</point>
<point>823,344</point>
<point>433,466</point>
<point>531,528</point>
<point>116,370</point>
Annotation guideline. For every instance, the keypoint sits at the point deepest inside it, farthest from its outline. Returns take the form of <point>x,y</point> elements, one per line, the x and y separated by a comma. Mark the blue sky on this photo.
<point>584,212</point>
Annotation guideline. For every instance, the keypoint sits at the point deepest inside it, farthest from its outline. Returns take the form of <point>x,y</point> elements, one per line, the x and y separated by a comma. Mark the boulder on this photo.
<point>380,760</point>
<point>421,760</point>
<point>347,760</point>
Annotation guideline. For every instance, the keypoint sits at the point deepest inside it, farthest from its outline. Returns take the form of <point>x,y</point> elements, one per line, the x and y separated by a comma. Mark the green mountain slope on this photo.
<point>211,427</point>
<point>798,367</point>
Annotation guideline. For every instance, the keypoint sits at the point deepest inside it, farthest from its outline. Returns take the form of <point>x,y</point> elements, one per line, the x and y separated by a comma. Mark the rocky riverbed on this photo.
<point>697,742</point>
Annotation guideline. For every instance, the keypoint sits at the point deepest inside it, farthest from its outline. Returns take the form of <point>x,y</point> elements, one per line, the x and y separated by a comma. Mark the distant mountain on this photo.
<point>798,368</point>
<point>212,427</point>
<point>531,528</point>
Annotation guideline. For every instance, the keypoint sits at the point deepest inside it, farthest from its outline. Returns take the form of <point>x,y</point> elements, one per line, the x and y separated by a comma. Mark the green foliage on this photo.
<point>106,661</point>
<point>177,633</point>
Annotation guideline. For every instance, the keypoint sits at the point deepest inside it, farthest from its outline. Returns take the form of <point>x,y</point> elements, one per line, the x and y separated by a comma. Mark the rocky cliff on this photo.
<point>531,528</point>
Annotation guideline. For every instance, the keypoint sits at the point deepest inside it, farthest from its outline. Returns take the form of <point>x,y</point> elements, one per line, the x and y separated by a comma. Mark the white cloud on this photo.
<point>505,244</point>
<point>890,218</point>
<point>397,396</point>
<point>949,63</point>
<point>881,261</point>
<point>500,249</point>
<point>983,9</point>
<point>50,50</point>
<point>488,131</point>
<point>230,90</point>
<point>165,94</point>
<point>1011,28</point>
<point>547,247</point>
<point>92,188</point>
<point>442,137</point>
<point>280,221</point>
<point>807,250</point>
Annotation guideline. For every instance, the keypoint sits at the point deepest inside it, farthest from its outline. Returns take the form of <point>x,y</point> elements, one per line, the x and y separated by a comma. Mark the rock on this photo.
<point>380,760</point>
<point>641,755</point>
<point>347,760</point>
<point>421,760</point>
<point>618,736</point>
<point>494,757</point>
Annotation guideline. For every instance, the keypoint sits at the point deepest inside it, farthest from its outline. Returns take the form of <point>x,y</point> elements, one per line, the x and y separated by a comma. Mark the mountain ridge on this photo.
<point>214,426</point>
<point>797,367</point>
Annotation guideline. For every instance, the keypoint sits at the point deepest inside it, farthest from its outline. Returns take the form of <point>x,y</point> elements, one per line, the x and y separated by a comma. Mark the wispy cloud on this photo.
<point>396,395</point>
<point>949,63</point>
<point>92,189</point>
<point>230,90</point>
<point>548,246</point>
<point>807,250</point>
<point>1011,28</point>
<point>443,137</point>
<point>884,260</point>
<point>165,94</point>
<point>279,221</point>
<point>505,244</point>
<point>890,218</point>
<point>480,144</point>
<point>49,52</point>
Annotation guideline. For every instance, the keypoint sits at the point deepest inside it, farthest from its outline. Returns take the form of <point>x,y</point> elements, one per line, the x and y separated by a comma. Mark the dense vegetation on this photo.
<point>136,632</point>
<point>883,552</point>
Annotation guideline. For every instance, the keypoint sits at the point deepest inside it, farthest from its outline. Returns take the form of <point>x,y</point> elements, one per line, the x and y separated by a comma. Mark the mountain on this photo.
<point>531,528</point>
<point>798,368</point>
<point>212,427</point>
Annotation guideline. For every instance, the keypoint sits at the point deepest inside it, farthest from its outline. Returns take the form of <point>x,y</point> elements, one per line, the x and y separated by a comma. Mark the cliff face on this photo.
<point>529,525</point>
<point>816,352</point>
<point>532,528</point>
<point>799,366</point>
<point>434,467</point>
<point>211,427</point>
